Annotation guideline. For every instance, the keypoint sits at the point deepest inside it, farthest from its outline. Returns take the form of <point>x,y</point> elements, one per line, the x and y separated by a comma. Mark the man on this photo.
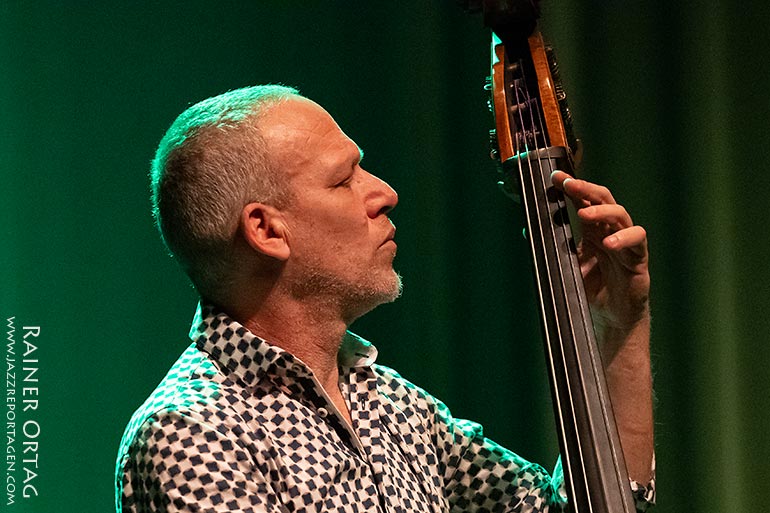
<point>276,407</point>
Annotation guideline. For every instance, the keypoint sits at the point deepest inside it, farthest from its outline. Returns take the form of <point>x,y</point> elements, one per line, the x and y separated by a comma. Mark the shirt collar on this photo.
<point>235,348</point>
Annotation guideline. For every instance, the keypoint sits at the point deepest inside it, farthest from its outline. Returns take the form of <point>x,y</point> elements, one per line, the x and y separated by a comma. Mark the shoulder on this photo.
<point>417,403</point>
<point>407,397</point>
<point>192,387</point>
<point>394,385</point>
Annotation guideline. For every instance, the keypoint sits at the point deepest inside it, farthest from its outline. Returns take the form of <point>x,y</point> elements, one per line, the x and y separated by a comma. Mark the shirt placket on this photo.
<point>365,411</point>
<point>301,382</point>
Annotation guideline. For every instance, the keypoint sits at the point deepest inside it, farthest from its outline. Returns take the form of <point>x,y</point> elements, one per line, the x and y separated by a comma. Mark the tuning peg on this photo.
<point>494,148</point>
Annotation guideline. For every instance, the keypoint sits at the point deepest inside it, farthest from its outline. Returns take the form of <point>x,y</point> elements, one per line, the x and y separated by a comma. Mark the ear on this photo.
<point>264,229</point>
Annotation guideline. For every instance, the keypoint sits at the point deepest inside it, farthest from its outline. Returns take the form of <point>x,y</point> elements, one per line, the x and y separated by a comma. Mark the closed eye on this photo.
<point>344,183</point>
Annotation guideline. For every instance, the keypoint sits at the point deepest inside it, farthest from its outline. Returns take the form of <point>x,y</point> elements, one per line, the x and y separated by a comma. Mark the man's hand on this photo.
<point>613,259</point>
<point>612,252</point>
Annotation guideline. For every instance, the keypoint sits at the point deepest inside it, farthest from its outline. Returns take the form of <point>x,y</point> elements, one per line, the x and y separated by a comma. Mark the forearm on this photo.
<point>626,358</point>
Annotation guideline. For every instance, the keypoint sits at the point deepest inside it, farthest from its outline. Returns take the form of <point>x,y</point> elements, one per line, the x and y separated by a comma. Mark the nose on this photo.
<point>382,198</point>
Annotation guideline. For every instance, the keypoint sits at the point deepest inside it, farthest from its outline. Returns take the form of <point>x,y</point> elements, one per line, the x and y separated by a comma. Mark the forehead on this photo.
<point>299,134</point>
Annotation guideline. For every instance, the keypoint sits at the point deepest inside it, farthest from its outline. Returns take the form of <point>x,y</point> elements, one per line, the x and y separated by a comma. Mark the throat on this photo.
<point>339,402</point>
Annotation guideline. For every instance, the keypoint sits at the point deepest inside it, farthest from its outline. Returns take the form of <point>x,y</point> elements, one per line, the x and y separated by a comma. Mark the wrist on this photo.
<point>631,336</point>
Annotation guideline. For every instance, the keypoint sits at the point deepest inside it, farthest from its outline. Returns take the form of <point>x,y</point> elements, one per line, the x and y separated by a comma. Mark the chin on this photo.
<point>367,300</point>
<point>397,289</point>
<point>391,288</point>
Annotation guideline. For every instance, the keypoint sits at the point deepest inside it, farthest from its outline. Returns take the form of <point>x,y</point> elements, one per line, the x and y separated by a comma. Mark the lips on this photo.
<point>391,235</point>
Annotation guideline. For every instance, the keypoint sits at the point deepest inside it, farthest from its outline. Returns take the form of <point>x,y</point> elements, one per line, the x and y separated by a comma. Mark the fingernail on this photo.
<point>613,240</point>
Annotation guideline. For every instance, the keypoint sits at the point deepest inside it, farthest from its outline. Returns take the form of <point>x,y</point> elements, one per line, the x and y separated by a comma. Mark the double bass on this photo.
<point>533,138</point>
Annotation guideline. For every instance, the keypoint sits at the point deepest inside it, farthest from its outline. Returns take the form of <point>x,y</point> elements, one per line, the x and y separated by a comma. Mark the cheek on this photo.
<point>337,222</point>
<point>336,229</point>
<point>347,231</point>
<point>343,217</point>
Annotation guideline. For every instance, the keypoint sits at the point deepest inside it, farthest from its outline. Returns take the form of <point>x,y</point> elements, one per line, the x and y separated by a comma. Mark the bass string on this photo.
<point>595,364</point>
<point>594,361</point>
<point>537,174</point>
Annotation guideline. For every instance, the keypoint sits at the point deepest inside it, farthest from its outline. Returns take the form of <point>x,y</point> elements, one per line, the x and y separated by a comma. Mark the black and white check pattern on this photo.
<point>241,425</point>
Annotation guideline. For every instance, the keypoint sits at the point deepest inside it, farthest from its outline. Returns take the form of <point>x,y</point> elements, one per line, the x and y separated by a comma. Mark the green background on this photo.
<point>669,98</point>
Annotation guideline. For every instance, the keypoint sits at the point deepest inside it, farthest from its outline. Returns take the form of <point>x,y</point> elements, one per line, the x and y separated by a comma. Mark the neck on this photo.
<point>307,330</point>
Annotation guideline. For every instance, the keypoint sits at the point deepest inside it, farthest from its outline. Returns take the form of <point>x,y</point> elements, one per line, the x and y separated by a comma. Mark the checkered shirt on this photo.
<point>241,425</point>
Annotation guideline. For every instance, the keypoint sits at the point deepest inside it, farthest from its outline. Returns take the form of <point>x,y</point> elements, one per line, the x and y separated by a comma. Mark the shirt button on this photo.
<point>323,412</point>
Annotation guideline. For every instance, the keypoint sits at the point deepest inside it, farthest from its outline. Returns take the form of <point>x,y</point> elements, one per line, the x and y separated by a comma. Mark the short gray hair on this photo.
<point>209,165</point>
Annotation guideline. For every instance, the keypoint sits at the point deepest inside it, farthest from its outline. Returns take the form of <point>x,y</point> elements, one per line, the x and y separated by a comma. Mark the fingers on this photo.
<point>614,227</point>
<point>612,251</point>
<point>597,207</point>
<point>580,190</point>
<point>613,215</point>
<point>633,238</point>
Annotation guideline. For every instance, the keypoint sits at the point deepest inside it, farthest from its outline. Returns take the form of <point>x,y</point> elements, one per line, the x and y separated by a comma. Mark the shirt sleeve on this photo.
<point>644,495</point>
<point>178,463</point>
<point>480,475</point>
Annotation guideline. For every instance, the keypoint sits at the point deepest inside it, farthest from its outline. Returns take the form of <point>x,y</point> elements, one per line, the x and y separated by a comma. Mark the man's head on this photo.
<point>263,180</point>
<point>210,163</point>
